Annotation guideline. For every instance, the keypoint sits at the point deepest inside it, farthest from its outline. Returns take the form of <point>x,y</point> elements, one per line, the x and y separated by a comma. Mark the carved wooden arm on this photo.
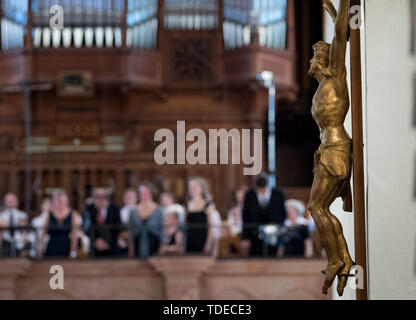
<point>339,44</point>
<point>330,8</point>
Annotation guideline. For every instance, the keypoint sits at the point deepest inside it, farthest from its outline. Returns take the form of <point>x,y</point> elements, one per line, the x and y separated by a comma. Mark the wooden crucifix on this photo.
<point>358,156</point>
<point>333,164</point>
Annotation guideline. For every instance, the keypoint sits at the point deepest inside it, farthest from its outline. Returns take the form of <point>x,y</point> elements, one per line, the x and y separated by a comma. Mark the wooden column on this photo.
<point>291,27</point>
<point>13,180</point>
<point>220,16</point>
<point>39,194</point>
<point>182,276</point>
<point>124,25</point>
<point>66,182</point>
<point>47,182</point>
<point>1,16</point>
<point>358,156</point>
<point>28,43</point>
<point>119,182</point>
<point>93,178</point>
<point>81,192</point>
<point>161,20</point>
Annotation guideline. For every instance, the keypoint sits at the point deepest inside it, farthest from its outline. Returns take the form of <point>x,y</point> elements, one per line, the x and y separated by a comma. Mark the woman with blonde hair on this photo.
<point>202,219</point>
<point>62,225</point>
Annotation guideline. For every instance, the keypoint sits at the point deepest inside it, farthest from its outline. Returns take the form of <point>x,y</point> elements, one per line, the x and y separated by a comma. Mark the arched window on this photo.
<point>268,17</point>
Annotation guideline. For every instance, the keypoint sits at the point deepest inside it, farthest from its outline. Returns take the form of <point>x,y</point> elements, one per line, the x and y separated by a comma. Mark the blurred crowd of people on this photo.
<point>261,223</point>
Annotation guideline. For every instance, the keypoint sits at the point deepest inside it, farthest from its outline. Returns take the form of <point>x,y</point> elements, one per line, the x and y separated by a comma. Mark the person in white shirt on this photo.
<point>130,202</point>
<point>216,226</point>
<point>12,241</point>
<point>39,221</point>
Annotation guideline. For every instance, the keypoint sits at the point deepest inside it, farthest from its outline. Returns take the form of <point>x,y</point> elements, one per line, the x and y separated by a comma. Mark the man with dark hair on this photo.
<point>262,206</point>
<point>98,218</point>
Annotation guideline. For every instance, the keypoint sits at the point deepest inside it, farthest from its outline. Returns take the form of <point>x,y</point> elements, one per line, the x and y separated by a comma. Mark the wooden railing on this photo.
<point>179,278</point>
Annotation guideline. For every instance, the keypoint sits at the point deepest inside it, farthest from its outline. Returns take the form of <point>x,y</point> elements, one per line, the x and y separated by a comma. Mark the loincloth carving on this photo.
<point>336,159</point>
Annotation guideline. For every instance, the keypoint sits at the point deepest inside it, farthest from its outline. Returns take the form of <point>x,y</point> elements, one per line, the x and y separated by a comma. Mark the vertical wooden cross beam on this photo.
<point>28,43</point>
<point>1,17</point>
<point>161,19</point>
<point>414,186</point>
<point>413,27</point>
<point>413,53</point>
<point>358,156</point>
<point>414,120</point>
<point>412,4</point>
<point>414,100</point>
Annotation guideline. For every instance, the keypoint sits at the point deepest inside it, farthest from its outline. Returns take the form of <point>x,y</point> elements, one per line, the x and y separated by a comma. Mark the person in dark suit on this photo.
<point>262,206</point>
<point>97,216</point>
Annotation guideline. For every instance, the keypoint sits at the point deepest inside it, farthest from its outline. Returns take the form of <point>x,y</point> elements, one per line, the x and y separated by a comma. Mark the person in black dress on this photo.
<point>199,219</point>
<point>296,242</point>
<point>61,227</point>
<point>173,243</point>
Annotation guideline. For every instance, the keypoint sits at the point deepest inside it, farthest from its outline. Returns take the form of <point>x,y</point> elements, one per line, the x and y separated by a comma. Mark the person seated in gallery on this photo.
<point>262,206</point>
<point>296,241</point>
<point>166,199</point>
<point>231,232</point>
<point>203,222</point>
<point>61,227</point>
<point>146,225</point>
<point>173,239</point>
<point>303,217</point>
<point>102,223</point>
<point>37,223</point>
<point>12,241</point>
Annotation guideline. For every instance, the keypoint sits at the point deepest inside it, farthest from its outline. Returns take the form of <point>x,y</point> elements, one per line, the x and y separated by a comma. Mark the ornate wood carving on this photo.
<point>191,59</point>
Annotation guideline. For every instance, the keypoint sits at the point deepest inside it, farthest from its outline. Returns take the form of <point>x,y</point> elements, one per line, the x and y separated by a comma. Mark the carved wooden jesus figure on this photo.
<point>333,159</point>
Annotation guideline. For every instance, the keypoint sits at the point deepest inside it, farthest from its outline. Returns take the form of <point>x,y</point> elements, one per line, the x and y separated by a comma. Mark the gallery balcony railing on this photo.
<point>23,241</point>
